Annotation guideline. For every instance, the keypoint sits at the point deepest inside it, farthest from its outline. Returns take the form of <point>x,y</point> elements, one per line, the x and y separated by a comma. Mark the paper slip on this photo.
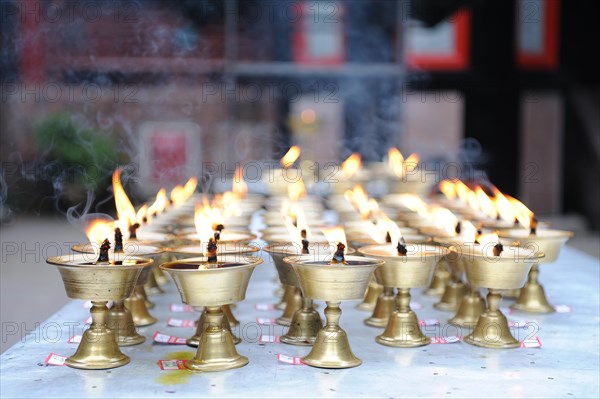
<point>168,339</point>
<point>88,320</point>
<point>55,360</point>
<point>520,324</point>
<point>180,308</point>
<point>265,339</point>
<point>265,321</point>
<point>181,323</point>
<point>289,359</point>
<point>75,339</point>
<point>264,306</point>
<point>171,364</point>
<point>531,343</point>
<point>563,309</point>
<point>429,322</point>
<point>445,340</point>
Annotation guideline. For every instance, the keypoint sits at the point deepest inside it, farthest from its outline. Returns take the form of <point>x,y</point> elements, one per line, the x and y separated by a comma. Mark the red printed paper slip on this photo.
<point>264,306</point>
<point>531,343</point>
<point>181,323</point>
<point>168,339</point>
<point>55,360</point>
<point>445,340</point>
<point>88,320</point>
<point>75,339</point>
<point>171,364</point>
<point>289,359</point>
<point>265,339</point>
<point>265,321</point>
<point>180,308</point>
<point>563,309</point>
<point>429,322</point>
<point>415,305</point>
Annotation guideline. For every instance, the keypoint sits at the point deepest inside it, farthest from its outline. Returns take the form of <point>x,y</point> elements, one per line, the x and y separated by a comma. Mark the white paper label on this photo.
<point>181,308</point>
<point>264,306</point>
<point>55,360</point>
<point>171,364</point>
<point>265,321</point>
<point>265,339</point>
<point>75,339</point>
<point>289,359</point>
<point>181,322</point>
<point>168,339</point>
<point>531,343</point>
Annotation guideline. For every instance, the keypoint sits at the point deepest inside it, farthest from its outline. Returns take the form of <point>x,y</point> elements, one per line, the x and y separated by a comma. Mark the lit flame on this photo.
<point>377,231</point>
<point>472,200</point>
<point>444,219</point>
<point>522,213</point>
<point>190,187</point>
<point>395,161</point>
<point>177,195</point>
<point>448,188</point>
<point>290,157</point>
<point>301,223</point>
<point>414,203</point>
<point>462,191</point>
<point>468,232</point>
<point>97,231</point>
<point>395,233</point>
<point>503,206</point>
<point>294,233</point>
<point>238,185</point>
<point>351,165</point>
<point>359,198</point>
<point>334,236</point>
<point>487,243</point>
<point>296,190</point>
<point>125,210</point>
<point>485,203</point>
<point>411,162</point>
<point>160,203</point>
<point>143,213</point>
<point>230,203</point>
<point>203,223</point>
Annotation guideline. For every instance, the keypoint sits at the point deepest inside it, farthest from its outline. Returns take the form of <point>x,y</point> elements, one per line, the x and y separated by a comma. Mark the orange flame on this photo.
<point>190,187</point>
<point>351,165</point>
<point>462,191</point>
<point>160,203</point>
<point>334,236</point>
<point>203,223</point>
<point>125,210</point>
<point>485,203</point>
<point>296,190</point>
<point>411,162</point>
<point>294,233</point>
<point>97,231</point>
<point>301,223</point>
<point>503,206</point>
<point>238,185</point>
<point>444,219</point>
<point>468,232</point>
<point>395,161</point>
<point>290,157</point>
<point>177,195</point>
<point>395,233</point>
<point>522,213</point>
<point>143,213</point>
<point>448,188</point>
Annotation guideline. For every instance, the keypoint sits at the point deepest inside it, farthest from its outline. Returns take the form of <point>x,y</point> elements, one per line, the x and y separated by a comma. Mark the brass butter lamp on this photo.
<point>332,283</point>
<point>194,251</point>
<point>100,283</point>
<point>120,318</point>
<point>406,266</point>
<point>532,298</point>
<point>496,268</point>
<point>211,285</point>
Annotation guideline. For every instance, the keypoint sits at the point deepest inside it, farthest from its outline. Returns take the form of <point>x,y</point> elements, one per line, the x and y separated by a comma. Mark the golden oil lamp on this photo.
<point>386,301</point>
<point>406,266</point>
<point>211,283</point>
<point>496,267</point>
<point>99,279</point>
<point>532,298</point>
<point>119,317</point>
<point>345,279</point>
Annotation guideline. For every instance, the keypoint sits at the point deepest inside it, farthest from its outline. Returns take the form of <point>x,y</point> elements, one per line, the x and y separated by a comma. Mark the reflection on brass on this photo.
<point>304,326</point>
<point>471,307</point>
<point>333,284</point>
<point>403,329</point>
<point>137,306</point>
<point>455,288</point>
<point>371,297</point>
<point>98,348</point>
<point>213,285</point>
<point>386,304</point>
<point>441,275</point>
<point>201,326</point>
<point>294,303</point>
<point>120,321</point>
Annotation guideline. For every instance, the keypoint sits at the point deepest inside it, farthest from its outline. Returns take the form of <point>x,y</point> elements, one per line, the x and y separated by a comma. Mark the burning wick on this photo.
<point>533,226</point>
<point>145,220</point>
<point>304,242</point>
<point>498,248</point>
<point>218,229</point>
<point>211,251</point>
<point>388,238</point>
<point>133,231</point>
<point>402,251</point>
<point>338,256</point>
<point>457,228</point>
<point>118,240</point>
<point>103,258</point>
<point>476,242</point>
